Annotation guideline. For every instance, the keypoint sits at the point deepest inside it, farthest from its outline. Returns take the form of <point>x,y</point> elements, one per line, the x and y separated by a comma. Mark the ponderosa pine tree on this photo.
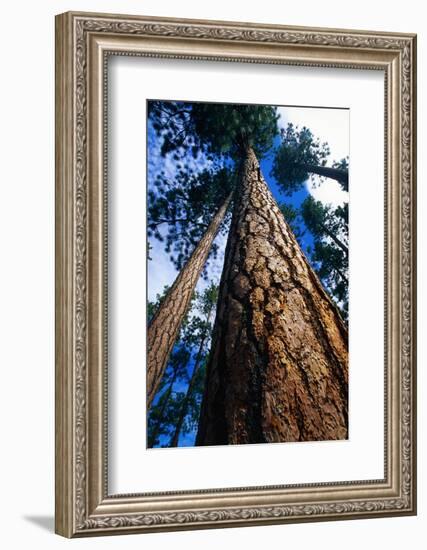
<point>214,130</point>
<point>278,365</point>
<point>164,326</point>
<point>278,369</point>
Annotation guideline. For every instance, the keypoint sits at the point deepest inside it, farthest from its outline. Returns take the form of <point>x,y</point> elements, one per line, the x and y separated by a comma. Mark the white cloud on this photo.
<point>331,126</point>
<point>161,271</point>
<point>328,192</point>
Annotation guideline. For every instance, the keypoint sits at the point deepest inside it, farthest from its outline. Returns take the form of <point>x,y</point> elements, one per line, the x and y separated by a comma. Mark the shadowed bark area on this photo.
<point>163,328</point>
<point>278,369</point>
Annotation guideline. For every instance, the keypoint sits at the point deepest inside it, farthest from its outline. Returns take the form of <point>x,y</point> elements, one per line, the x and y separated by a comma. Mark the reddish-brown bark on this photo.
<point>278,369</point>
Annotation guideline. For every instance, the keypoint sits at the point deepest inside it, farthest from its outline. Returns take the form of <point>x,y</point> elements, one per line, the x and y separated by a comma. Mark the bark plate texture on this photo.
<point>278,369</point>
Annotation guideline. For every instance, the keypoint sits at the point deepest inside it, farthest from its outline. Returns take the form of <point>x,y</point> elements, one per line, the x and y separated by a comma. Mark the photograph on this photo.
<point>235,271</point>
<point>247,273</point>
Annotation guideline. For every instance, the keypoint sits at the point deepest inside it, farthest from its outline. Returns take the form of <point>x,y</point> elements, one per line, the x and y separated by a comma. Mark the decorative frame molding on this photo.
<point>83,43</point>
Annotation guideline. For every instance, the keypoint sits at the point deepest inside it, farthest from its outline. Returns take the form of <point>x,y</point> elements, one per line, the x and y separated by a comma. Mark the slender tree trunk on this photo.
<point>333,173</point>
<point>184,407</point>
<point>341,274</point>
<point>166,398</point>
<point>340,244</point>
<point>164,326</point>
<point>278,368</point>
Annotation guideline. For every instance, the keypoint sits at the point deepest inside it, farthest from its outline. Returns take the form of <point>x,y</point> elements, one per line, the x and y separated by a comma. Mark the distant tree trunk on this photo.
<point>333,173</point>
<point>166,397</point>
<point>278,368</point>
<point>164,326</point>
<point>184,407</point>
<point>341,274</point>
<point>339,243</point>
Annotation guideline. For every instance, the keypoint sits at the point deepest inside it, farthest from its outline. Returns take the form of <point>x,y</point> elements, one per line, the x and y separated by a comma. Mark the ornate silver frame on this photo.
<point>83,42</point>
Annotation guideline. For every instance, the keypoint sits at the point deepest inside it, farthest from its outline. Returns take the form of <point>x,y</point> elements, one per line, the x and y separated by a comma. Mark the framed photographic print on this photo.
<point>235,274</point>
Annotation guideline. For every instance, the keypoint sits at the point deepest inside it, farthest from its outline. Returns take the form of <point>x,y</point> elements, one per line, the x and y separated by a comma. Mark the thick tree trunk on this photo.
<point>333,173</point>
<point>278,369</point>
<point>184,407</point>
<point>164,326</point>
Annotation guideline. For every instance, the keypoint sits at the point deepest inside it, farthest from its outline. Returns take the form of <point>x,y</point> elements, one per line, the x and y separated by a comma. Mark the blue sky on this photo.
<point>330,125</point>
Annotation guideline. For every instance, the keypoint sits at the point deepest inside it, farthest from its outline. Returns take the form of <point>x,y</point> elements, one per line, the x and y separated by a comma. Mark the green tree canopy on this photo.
<point>292,216</point>
<point>176,369</point>
<point>300,155</point>
<point>180,210</point>
<point>180,393</point>
<point>213,128</point>
<point>329,228</point>
<point>229,128</point>
<point>326,221</point>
